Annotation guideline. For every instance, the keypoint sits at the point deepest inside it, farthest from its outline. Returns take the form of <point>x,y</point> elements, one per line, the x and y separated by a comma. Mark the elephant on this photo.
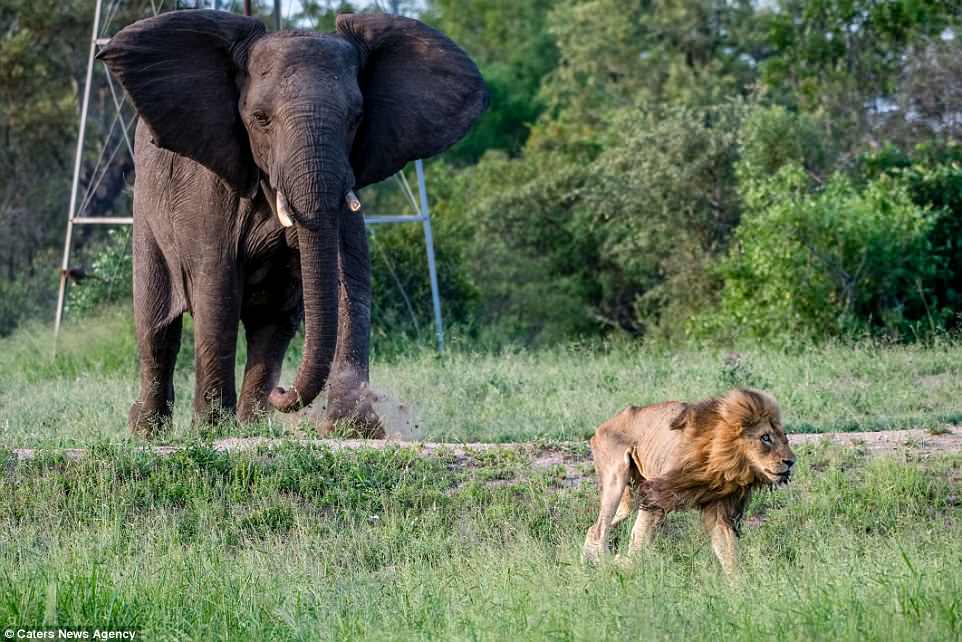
<point>247,153</point>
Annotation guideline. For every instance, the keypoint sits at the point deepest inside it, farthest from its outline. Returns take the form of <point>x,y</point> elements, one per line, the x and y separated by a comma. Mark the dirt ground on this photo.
<point>573,458</point>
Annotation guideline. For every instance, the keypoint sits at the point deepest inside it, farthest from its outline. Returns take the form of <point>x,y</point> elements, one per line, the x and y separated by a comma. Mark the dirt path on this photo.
<point>568,454</point>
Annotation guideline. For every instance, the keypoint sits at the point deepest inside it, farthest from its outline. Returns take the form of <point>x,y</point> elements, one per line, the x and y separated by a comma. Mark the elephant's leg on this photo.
<point>216,317</point>
<point>158,355</point>
<point>349,398</point>
<point>158,337</point>
<point>267,341</point>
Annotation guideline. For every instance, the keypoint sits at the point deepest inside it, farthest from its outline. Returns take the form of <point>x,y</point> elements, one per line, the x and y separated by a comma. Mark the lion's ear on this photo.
<point>679,422</point>
<point>699,417</point>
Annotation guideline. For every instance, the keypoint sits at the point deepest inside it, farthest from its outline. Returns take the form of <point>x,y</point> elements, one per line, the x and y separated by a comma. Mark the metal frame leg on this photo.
<point>429,248</point>
<point>76,175</point>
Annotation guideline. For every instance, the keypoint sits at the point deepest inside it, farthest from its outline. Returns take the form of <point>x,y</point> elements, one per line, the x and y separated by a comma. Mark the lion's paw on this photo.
<point>592,554</point>
<point>626,561</point>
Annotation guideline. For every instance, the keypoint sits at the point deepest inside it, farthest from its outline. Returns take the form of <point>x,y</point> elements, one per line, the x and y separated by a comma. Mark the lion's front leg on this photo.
<point>719,527</point>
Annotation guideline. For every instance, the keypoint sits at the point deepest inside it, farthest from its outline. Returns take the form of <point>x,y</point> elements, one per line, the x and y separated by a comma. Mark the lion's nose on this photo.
<point>788,462</point>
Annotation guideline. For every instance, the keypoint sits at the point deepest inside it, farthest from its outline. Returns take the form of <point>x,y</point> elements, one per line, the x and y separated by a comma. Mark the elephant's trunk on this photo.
<point>318,249</point>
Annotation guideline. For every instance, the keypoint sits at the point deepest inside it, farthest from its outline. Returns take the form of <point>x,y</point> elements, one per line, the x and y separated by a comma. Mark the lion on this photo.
<point>672,456</point>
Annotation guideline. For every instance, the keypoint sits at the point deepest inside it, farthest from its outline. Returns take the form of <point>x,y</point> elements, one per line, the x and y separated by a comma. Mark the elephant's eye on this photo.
<point>355,121</point>
<point>261,118</point>
<point>767,439</point>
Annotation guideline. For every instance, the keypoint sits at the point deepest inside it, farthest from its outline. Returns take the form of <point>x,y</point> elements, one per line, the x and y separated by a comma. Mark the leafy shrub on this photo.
<point>401,287</point>
<point>530,256</point>
<point>109,278</point>
<point>771,137</point>
<point>401,283</point>
<point>940,187</point>
<point>827,262</point>
<point>31,295</point>
<point>933,175</point>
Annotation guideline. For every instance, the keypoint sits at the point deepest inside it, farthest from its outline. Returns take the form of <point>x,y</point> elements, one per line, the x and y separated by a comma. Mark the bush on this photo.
<point>940,188</point>
<point>531,258</point>
<point>933,175</point>
<point>825,262</point>
<point>32,295</point>
<point>771,137</point>
<point>109,278</point>
<point>401,285</point>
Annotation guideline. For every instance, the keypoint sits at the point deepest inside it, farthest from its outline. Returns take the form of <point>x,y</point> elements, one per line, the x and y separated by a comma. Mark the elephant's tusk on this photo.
<point>352,201</point>
<point>283,210</point>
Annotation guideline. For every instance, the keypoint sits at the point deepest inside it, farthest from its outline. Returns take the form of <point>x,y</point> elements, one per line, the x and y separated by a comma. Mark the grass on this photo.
<point>302,543</point>
<point>306,544</point>
<point>562,393</point>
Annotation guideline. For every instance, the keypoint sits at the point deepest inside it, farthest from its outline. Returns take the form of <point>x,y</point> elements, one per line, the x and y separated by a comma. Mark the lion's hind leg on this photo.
<point>596,540</point>
<point>643,532</point>
<point>630,498</point>
<point>626,506</point>
<point>614,475</point>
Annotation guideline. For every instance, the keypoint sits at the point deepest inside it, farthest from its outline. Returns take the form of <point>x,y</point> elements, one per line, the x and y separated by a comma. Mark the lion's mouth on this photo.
<point>779,478</point>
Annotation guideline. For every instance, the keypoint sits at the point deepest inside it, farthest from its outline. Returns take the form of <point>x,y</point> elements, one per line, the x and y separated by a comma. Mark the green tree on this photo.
<point>643,53</point>
<point>843,57</point>
<point>661,204</point>
<point>514,51</point>
<point>623,242</point>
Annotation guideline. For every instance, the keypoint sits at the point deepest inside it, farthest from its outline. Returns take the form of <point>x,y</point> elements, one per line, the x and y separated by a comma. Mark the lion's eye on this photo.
<point>767,439</point>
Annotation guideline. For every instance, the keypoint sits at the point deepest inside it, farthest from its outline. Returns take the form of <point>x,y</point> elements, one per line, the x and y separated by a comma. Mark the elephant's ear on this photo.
<point>180,71</point>
<point>421,93</point>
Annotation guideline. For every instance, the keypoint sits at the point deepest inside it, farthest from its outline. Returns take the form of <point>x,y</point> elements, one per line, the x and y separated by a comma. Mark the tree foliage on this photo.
<point>662,168</point>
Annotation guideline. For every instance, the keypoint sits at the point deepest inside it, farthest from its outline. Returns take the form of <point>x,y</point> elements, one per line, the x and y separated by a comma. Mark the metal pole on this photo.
<point>119,106</point>
<point>247,7</point>
<point>76,175</point>
<point>277,15</point>
<point>429,247</point>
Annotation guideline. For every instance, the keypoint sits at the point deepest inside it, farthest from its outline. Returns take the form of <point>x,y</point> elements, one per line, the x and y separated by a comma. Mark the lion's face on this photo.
<point>766,447</point>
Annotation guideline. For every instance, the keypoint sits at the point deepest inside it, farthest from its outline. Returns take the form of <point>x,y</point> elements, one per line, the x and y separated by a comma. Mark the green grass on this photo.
<point>562,393</point>
<point>305,544</point>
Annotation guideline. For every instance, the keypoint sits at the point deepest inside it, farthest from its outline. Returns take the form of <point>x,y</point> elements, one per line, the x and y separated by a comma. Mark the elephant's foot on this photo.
<point>252,408</point>
<point>353,415</point>
<point>213,418</point>
<point>350,409</point>
<point>147,420</point>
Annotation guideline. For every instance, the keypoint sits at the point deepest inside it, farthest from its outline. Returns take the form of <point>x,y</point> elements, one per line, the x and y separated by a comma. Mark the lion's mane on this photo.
<point>711,464</point>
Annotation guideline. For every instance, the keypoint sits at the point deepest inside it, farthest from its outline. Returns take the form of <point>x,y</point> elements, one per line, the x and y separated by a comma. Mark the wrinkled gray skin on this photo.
<point>230,117</point>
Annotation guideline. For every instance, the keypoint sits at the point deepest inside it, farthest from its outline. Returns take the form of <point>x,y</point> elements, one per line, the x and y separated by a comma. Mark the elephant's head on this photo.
<point>305,117</point>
